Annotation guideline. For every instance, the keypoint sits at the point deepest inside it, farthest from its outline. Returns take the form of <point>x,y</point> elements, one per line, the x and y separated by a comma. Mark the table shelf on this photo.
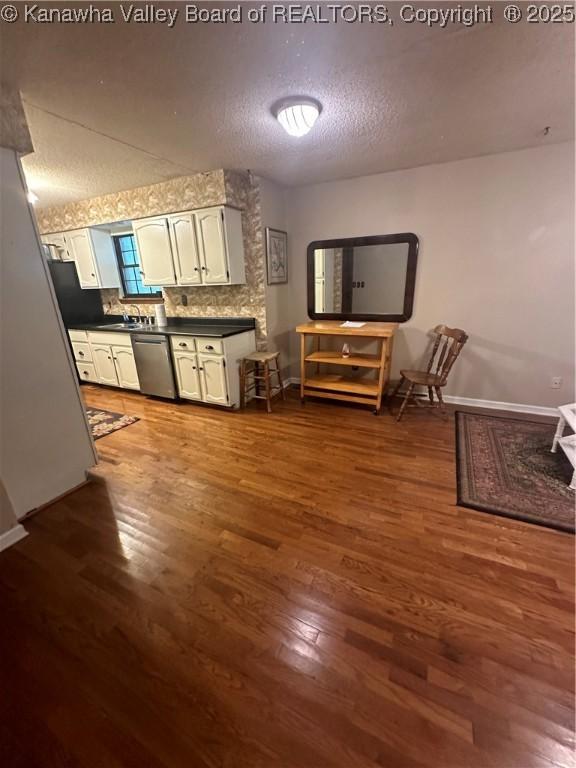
<point>343,384</point>
<point>335,358</point>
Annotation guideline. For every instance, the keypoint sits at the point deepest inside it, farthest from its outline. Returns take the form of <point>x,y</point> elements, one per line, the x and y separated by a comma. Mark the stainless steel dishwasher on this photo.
<point>154,365</point>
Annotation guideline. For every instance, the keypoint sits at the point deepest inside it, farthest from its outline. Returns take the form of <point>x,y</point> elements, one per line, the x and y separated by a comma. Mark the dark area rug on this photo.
<point>102,423</point>
<point>504,466</point>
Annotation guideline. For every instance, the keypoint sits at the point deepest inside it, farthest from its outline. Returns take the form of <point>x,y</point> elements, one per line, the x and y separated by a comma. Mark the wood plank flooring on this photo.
<point>299,590</point>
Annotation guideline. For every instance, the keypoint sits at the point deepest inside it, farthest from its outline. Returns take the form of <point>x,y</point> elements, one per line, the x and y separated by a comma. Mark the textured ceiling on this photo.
<point>117,106</point>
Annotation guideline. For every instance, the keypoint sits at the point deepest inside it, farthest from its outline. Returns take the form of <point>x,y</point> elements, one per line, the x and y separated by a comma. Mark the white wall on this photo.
<point>496,259</point>
<point>278,297</point>
<point>45,445</point>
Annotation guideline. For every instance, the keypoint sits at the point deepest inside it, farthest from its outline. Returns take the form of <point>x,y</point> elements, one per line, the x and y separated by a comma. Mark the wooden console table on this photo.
<point>367,391</point>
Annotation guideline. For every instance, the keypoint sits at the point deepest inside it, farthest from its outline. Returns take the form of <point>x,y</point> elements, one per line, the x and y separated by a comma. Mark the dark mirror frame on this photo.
<point>350,242</point>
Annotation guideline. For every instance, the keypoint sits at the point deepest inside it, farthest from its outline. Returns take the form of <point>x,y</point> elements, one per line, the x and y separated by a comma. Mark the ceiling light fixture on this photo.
<point>32,198</point>
<point>297,115</point>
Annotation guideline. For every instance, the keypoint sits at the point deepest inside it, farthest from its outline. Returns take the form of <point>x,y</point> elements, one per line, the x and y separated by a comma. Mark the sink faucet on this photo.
<point>137,312</point>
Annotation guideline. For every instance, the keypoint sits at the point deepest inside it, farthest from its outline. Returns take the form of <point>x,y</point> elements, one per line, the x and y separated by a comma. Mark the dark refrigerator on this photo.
<point>77,305</point>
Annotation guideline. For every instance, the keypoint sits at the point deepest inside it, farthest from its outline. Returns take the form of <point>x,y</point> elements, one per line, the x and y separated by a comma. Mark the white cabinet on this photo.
<point>125,367</point>
<point>106,358</point>
<point>104,363</point>
<point>207,368</point>
<point>87,372</point>
<point>187,375</point>
<point>57,246</point>
<point>185,248</point>
<point>202,247</point>
<point>155,250</point>
<point>212,241</point>
<point>81,248</point>
<point>213,379</point>
<point>92,251</point>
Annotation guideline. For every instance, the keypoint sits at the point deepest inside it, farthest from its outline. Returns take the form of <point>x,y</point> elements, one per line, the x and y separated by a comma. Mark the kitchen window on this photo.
<point>129,267</point>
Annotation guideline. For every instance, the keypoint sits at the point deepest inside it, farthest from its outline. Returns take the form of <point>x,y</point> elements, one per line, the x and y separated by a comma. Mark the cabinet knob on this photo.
<point>92,274</point>
<point>182,344</point>
<point>142,273</point>
<point>195,269</point>
<point>109,358</point>
<point>193,367</point>
<point>200,369</point>
<point>209,346</point>
<point>81,353</point>
<point>85,373</point>
<point>204,268</point>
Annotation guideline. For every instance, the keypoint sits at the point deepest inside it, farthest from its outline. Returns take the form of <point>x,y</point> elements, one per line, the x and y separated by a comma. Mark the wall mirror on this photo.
<point>362,278</point>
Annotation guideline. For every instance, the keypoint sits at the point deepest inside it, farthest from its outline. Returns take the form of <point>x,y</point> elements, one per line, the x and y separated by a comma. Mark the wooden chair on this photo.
<point>255,368</point>
<point>447,347</point>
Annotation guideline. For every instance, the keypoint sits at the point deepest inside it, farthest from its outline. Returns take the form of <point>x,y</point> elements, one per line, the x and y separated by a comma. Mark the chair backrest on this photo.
<point>447,347</point>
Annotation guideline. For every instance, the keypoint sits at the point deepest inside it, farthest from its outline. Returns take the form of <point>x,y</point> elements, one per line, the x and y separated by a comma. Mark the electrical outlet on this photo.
<point>556,382</point>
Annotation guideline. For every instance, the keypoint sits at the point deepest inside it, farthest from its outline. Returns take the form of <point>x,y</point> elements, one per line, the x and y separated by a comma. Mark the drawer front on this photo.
<point>87,372</point>
<point>78,335</point>
<point>183,343</point>
<point>210,346</point>
<point>82,351</point>
<point>119,339</point>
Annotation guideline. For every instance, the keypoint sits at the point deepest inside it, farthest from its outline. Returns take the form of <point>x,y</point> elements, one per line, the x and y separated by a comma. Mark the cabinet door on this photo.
<point>104,363</point>
<point>80,245</point>
<point>153,243</point>
<point>213,379</point>
<point>212,246</point>
<point>125,367</point>
<point>57,245</point>
<point>185,248</point>
<point>186,366</point>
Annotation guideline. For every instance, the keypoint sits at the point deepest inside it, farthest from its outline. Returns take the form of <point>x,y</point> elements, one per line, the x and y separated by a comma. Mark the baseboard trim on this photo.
<point>470,402</point>
<point>12,536</point>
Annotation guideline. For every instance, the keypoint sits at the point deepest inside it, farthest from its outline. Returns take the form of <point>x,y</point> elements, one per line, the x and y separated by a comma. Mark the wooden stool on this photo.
<point>251,374</point>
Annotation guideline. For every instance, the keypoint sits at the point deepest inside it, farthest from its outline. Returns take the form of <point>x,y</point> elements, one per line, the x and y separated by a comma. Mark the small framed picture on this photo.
<point>276,256</point>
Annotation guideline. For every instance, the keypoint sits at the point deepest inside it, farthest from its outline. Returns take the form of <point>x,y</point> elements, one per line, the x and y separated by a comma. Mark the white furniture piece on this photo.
<point>105,358</point>
<point>207,369</point>
<point>92,250</point>
<point>568,444</point>
<point>202,247</point>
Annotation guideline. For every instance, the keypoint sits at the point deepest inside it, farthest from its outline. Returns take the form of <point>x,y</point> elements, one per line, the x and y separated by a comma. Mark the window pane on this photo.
<point>129,264</point>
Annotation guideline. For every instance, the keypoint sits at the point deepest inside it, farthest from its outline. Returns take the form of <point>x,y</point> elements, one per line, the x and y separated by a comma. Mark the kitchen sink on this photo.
<point>128,326</point>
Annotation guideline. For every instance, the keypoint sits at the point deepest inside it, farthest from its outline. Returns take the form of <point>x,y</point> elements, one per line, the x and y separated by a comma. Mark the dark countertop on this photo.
<point>209,326</point>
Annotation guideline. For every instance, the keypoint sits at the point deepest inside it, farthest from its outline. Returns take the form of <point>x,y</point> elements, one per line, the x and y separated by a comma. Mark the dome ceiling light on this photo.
<point>297,115</point>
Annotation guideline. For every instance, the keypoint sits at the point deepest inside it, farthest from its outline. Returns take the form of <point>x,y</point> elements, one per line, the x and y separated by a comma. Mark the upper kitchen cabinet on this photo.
<point>57,246</point>
<point>202,247</point>
<point>220,245</point>
<point>155,250</point>
<point>185,248</point>
<point>92,251</point>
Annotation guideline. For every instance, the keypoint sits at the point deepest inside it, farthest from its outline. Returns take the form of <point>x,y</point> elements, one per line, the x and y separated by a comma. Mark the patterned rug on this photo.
<point>504,466</point>
<point>102,423</point>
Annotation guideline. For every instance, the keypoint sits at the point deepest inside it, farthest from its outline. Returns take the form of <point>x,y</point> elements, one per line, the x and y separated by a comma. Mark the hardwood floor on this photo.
<point>295,590</point>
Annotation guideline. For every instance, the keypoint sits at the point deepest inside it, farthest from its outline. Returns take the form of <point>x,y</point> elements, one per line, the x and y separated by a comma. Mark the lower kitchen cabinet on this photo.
<point>87,372</point>
<point>125,367</point>
<point>104,362</point>
<point>187,375</point>
<point>213,379</point>
<point>105,358</point>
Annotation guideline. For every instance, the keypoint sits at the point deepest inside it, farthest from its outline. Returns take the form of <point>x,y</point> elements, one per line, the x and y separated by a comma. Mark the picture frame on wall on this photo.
<point>276,256</point>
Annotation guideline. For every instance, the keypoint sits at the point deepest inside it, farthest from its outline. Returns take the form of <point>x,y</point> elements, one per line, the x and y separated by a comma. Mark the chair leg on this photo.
<point>267,383</point>
<point>407,397</point>
<point>280,382</point>
<point>440,401</point>
<point>243,384</point>
<point>431,395</point>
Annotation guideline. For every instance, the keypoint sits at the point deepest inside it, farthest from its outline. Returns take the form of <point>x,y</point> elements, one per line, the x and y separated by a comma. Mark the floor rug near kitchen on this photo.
<point>102,423</point>
<point>505,467</point>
